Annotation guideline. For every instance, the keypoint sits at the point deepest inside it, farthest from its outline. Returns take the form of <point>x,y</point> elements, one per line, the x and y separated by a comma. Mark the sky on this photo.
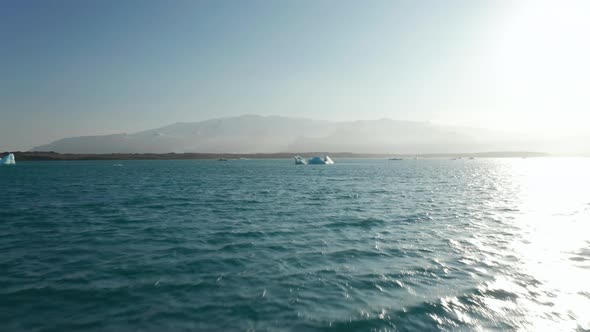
<point>74,68</point>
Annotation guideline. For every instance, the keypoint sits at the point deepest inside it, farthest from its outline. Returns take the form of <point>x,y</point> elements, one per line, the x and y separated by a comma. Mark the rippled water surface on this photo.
<point>265,245</point>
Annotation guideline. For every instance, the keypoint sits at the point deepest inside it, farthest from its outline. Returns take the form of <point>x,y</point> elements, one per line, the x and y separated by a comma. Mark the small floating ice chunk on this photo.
<point>300,161</point>
<point>320,161</point>
<point>8,160</point>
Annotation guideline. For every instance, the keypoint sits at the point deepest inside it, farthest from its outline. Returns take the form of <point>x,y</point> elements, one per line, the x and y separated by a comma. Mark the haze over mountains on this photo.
<point>270,134</point>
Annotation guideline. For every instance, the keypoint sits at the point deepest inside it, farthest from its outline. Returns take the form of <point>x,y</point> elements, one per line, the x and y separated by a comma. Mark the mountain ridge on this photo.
<point>278,134</point>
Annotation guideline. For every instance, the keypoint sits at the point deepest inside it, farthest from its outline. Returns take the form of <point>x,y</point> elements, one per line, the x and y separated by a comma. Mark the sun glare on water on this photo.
<point>553,252</point>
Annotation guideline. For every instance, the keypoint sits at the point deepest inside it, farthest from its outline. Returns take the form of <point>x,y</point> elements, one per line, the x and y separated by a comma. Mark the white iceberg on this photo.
<point>8,160</point>
<point>300,161</point>
<point>320,161</point>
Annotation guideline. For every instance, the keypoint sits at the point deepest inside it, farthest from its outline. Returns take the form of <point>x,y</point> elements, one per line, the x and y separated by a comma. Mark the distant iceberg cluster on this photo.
<point>8,160</point>
<point>314,161</point>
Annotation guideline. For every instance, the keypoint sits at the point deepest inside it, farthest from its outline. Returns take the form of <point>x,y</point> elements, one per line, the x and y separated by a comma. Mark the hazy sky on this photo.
<point>70,68</point>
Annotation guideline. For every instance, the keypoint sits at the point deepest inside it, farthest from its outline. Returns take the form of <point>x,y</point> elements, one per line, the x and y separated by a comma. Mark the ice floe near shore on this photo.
<point>314,161</point>
<point>8,160</point>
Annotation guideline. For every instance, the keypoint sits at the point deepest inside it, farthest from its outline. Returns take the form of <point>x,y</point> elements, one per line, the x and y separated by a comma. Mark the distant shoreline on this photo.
<point>49,156</point>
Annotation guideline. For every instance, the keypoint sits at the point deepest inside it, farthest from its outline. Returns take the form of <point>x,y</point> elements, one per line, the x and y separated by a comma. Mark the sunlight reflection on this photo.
<point>553,197</point>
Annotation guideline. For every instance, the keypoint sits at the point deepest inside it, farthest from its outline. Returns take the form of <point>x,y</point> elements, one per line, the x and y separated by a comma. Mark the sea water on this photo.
<point>266,245</point>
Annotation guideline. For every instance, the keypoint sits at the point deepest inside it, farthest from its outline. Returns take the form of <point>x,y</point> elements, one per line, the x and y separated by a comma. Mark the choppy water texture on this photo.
<point>265,245</point>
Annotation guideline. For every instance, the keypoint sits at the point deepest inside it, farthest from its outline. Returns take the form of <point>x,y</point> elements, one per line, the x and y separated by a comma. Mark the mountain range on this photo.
<point>271,134</point>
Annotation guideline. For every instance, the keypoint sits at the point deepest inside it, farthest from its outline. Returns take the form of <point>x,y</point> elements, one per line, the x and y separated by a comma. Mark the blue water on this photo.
<point>266,245</point>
